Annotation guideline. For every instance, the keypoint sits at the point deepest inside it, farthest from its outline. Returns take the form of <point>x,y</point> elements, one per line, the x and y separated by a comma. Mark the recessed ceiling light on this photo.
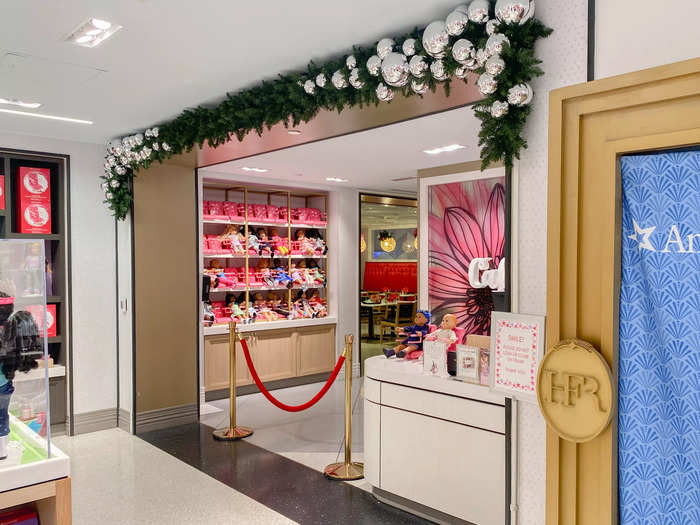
<point>92,32</point>
<point>42,115</point>
<point>257,170</point>
<point>335,179</point>
<point>443,149</point>
<point>20,103</point>
<point>294,132</point>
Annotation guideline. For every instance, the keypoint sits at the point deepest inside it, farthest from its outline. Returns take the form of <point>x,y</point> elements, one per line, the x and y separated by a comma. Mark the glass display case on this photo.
<point>25,432</point>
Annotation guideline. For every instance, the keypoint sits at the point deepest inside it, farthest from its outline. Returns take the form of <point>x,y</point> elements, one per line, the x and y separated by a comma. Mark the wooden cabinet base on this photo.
<point>52,501</point>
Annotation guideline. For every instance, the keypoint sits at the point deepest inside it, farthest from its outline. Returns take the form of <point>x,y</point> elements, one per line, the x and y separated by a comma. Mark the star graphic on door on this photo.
<point>643,242</point>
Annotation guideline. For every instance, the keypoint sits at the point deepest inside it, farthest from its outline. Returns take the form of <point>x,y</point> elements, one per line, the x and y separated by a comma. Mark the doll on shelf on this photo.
<point>305,244</point>
<point>319,245</point>
<point>280,243</point>
<point>297,278</point>
<point>254,243</point>
<point>214,267</point>
<point>33,264</point>
<point>281,277</point>
<point>262,309</point>
<point>413,336</point>
<point>266,273</point>
<point>232,239</point>
<point>277,305</point>
<point>446,333</point>
<point>264,242</point>
<point>317,304</point>
<point>316,274</point>
<point>306,275</point>
<point>237,313</point>
<point>221,280</point>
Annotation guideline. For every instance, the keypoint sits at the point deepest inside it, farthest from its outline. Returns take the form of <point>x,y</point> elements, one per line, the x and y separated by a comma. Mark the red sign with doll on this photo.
<point>34,204</point>
<point>37,312</point>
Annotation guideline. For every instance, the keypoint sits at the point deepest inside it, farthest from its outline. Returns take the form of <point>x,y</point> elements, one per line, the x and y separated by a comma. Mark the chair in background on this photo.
<point>403,314</point>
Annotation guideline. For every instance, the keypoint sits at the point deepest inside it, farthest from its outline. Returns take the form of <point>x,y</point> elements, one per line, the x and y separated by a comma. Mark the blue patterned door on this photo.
<point>659,355</point>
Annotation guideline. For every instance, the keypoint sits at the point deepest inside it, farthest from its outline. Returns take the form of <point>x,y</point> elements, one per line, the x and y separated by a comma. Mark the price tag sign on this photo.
<point>517,344</point>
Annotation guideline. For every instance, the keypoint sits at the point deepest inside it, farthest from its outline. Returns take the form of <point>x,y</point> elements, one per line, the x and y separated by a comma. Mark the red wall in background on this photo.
<point>392,275</point>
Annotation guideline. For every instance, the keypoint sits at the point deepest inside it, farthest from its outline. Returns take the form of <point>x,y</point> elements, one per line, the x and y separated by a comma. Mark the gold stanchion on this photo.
<point>347,470</point>
<point>233,432</point>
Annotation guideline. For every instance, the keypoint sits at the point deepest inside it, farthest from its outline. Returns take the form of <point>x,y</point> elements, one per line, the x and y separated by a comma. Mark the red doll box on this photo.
<point>34,204</point>
<point>2,192</point>
<point>37,312</point>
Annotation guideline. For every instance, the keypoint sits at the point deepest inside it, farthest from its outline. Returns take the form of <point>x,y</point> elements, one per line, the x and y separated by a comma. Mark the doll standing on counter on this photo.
<point>446,333</point>
<point>414,336</point>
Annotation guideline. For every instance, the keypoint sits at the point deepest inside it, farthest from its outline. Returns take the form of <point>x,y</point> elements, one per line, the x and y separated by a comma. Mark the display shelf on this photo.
<point>43,236</point>
<point>273,224</point>
<point>38,373</point>
<point>243,257</point>
<point>267,288</point>
<point>269,325</point>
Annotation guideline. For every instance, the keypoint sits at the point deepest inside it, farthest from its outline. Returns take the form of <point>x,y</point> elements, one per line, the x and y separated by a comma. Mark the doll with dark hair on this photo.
<point>20,347</point>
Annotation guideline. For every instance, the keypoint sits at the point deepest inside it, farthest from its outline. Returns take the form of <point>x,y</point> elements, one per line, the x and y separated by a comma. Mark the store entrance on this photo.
<point>388,271</point>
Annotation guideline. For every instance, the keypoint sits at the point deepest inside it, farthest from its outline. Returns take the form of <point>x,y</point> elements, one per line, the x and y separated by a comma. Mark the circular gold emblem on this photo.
<point>575,390</point>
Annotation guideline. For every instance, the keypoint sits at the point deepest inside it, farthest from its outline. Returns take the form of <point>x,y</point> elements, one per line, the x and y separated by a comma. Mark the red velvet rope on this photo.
<point>279,404</point>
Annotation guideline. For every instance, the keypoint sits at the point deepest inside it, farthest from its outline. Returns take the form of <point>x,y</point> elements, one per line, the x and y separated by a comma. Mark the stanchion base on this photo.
<point>228,434</point>
<point>344,472</point>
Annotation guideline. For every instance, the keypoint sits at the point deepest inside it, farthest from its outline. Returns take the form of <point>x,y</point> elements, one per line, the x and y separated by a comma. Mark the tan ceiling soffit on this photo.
<point>328,124</point>
<point>391,201</point>
<point>460,167</point>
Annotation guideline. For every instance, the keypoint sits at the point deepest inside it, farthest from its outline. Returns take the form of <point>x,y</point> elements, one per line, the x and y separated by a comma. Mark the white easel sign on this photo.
<point>517,343</point>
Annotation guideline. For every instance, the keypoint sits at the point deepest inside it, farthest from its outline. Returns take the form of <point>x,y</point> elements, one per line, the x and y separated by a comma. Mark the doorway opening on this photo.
<point>388,270</point>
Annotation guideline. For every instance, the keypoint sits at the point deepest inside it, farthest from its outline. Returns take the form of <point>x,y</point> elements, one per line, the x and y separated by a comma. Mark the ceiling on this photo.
<point>172,54</point>
<point>387,216</point>
<point>372,159</point>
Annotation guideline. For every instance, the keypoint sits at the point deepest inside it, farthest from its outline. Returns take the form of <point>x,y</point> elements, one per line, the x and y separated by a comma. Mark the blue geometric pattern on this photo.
<point>659,374</point>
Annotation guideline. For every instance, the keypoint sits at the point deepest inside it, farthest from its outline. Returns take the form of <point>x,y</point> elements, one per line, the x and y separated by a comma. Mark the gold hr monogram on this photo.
<point>573,387</point>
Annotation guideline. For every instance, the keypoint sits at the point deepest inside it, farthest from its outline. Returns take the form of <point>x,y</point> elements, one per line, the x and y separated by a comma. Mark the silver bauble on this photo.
<point>498,109</point>
<point>512,11</point>
<point>384,93</point>
<point>321,80</point>
<point>495,43</point>
<point>114,183</point>
<point>409,47</point>
<point>310,87</point>
<point>437,69</point>
<point>155,146</point>
<point>138,138</point>
<point>338,80</point>
<point>435,39</point>
<point>154,131</point>
<point>481,57</point>
<point>351,62</point>
<point>419,87</point>
<point>455,22</point>
<point>355,79</point>
<point>395,69</point>
<point>494,65</point>
<point>418,66</point>
<point>491,27</point>
<point>463,50</point>
<point>520,95</point>
<point>487,84</point>
<point>373,65</point>
<point>121,170</point>
<point>478,11</point>
<point>461,72</point>
<point>165,146</point>
<point>384,47</point>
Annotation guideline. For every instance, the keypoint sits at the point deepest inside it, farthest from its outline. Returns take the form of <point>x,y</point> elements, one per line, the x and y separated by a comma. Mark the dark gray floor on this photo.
<point>294,490</point>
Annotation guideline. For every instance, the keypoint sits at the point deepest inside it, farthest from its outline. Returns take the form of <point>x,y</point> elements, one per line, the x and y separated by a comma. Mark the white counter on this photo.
<point>440,443</point>
<point>269,325</point>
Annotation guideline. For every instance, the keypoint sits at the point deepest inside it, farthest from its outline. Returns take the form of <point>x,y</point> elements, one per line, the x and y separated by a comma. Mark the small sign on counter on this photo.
<point>517,343</point>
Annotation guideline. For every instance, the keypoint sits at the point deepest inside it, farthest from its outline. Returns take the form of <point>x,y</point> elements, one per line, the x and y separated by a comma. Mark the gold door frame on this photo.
<point>590,126</point>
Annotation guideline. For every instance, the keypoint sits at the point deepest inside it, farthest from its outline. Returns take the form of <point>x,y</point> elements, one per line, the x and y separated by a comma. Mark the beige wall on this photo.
<point>165,301</point>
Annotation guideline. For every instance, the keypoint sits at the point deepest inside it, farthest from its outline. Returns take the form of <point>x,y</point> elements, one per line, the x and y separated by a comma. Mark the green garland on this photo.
<point>284,100</point>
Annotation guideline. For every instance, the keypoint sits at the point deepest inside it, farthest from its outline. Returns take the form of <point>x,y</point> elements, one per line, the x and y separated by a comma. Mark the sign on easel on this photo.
<point>517,343</point>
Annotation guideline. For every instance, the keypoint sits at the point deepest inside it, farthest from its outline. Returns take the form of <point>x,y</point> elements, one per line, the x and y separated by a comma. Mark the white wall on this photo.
<point>125,306</point>
<point>637,34</point>
<point>93,272</point>
<point>564,59</point>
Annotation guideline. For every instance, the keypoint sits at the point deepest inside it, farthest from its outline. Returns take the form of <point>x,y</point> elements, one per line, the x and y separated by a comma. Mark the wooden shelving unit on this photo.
<point>56,245</point>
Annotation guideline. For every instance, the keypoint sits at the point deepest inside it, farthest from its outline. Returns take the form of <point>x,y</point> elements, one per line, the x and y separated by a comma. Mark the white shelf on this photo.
<point>232,256</point>
<point>39,373</point>
<point>269,325</point>
<point>266,288</point>
<point>271,224</point>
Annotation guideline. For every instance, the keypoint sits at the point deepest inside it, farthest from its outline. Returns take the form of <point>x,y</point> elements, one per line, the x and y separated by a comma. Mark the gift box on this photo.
<point>34,205</point>
<point>2,192</point>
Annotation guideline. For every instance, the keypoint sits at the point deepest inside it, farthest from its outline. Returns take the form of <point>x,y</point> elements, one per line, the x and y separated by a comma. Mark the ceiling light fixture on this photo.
<point>256,170</point>
<point>92,32</point>
<point>42,115</point>
<point>443,149</point>
<point>335,179</point>
<point>20,103</point>
<point>294,132</point>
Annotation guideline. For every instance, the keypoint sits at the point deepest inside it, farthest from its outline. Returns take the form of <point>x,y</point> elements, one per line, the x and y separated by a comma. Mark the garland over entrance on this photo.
<point>494,40</point>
